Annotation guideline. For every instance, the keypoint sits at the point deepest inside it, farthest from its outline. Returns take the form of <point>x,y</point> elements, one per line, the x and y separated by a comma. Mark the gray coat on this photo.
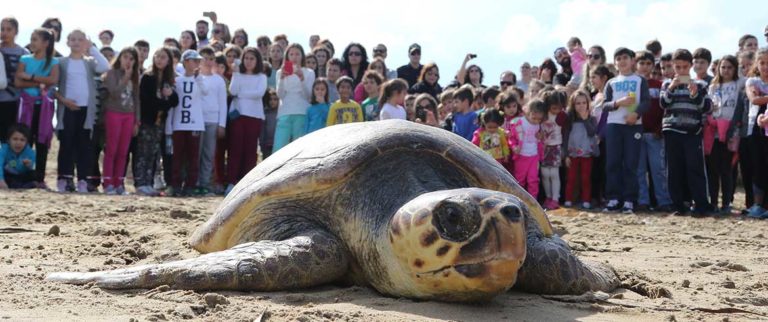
<point>95,65</point>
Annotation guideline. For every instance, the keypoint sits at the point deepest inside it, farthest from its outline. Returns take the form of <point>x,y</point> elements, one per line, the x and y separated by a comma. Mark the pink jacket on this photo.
<point>515,138</point>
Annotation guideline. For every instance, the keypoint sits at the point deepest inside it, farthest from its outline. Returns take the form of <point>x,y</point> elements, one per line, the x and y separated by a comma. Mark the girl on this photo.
<point>35,75</point>
<point>491,137</point>
<point>509,103</point>
<point>598,77</point>
<point>295,90</point>
<point>361,92</point>
<point>354,62</point>
<point>535,87</point>
<point>241,38</point>
<point>12,52</point>
<point>311,62</point>
<point>580,144</point>
<point>757,91</point>
<point>371,84</point>
<point>17,160</point>
<point>267,139</point>
<point>78,93</point>
<point>427,81</point>
<point>187,40</point>
<point>424,109</point>
<point>276,61</point>
<point>247,116</point>
<point>392,99</point>
<point>121,117</point>
<point>317,114</point>
<point>726,91</point>
<point>323,55</point>
<point>224,70</point>
<point>551,161</point>
<point>526,147</point>
<point>156,96</point>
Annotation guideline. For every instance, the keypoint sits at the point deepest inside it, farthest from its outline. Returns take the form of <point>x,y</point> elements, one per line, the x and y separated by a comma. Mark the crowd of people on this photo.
<point>622,131</point>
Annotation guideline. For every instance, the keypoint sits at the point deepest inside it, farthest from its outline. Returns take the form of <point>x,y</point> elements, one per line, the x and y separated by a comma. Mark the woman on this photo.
<point>322,54</point>
<point>221,34</point>
<point>275,62</point>
<point>188,40</point>
<point>595,57</point>
<point>547,71</point>
<point>241,38</point>
<point>472,75</point>
<point>354,62</point>
<point>427,82</point>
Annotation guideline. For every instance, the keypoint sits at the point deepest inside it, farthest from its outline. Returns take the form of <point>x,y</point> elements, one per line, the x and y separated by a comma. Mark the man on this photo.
<point>410,72</point>
<point>525,71</point>
<point>313,41</point>
<point>381,51</point>
<point>507,79</point>
<point>563,58</point>
<point>202,33</point>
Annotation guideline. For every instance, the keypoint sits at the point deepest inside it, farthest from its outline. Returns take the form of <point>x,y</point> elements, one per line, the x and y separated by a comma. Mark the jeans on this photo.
<point>622,147</point>
<point>207,151</point>
<point>289,128</point>
<point>652,156</point>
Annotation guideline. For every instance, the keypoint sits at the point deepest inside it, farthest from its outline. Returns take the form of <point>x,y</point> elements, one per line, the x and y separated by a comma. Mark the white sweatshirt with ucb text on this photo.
<point>188,115</point>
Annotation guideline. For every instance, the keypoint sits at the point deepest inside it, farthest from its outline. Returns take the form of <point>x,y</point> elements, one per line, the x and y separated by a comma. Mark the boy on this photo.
<point>446,110</point>
<point>187,123</point>
<point>464,119</point>
<point>685,102</point>
<point>667,70</point>
<point>651,145</point>
<point>372,81</point>
<point>332,73</point>
<point>17,160</point>
<point>344,110</point>
<point>142,46</point>
<point>214,102</point>
<point>489,98</point>
<point>654,46</point>
<point>626,99</point>
<point>702,57</point>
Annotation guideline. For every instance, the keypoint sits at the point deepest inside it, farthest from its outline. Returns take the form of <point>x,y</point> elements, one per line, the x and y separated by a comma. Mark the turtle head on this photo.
<point>459,245</point>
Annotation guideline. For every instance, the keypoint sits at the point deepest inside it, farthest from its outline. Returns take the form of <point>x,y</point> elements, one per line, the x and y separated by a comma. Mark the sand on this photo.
<point>674,268</point>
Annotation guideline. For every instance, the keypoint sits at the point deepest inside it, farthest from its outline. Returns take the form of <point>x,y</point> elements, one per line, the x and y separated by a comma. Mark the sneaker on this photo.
<point>628,208</point>
<point>568,204</point>
<point>147,191</point>
<point>109,190</point>
<point>554,204</point>
<point>586,206</point>
<point>159,182</point>
<point>755,212</point>
<point>229,189</point>
<point>120,190</point>
<point>188,192</point>
<point>612,206</point>
<point>82,186</point>
<point>61,185</point>
<point>726,210</point>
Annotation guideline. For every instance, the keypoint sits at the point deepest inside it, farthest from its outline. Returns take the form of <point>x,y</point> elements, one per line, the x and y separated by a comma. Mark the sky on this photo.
<point>503,34</point>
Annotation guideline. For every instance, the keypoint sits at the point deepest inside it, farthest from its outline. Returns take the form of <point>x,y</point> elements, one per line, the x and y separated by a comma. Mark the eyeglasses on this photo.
<point>355,53</point>
<point>505,83</point>
<point>595,56</point>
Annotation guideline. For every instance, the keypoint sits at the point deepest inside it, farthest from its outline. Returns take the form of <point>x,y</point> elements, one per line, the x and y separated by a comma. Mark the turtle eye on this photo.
<point>512,213</point>
<point>455,222</point>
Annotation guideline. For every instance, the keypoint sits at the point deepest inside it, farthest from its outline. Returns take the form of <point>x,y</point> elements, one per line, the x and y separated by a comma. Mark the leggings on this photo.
<point>289,128</point>
<point>119,130</point>
<point>551,178</point>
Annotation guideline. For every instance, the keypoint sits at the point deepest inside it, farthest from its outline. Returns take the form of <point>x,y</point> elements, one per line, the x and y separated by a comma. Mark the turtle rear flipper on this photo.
<point>550,267</point>
<point>299,262</point>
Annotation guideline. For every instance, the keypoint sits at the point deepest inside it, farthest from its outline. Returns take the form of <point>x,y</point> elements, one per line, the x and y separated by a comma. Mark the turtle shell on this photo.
<point>326,158</point>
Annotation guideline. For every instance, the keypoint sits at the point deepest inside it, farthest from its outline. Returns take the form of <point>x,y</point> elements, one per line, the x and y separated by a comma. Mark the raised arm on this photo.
<point>461,75</point>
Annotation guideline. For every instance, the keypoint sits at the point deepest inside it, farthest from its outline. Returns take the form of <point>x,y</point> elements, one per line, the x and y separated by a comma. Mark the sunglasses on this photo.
<point>379,51</point>
<point>355,53</point>
<point>415,53</point>
<point>505,83</point>
<point>216,31</point>
<point>474,70</point>
<point>597,56</point>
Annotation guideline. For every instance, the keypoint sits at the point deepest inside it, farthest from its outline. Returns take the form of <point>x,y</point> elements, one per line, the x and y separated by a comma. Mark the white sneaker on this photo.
<point>61,185</point>
<point>568,204</point>
<point>586,206</point>
<point>147,191</point>
<point>110,190</point>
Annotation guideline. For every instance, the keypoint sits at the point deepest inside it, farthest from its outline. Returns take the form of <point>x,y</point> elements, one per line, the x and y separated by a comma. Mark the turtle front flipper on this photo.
<point>550,267</point>
<point>299,262</point>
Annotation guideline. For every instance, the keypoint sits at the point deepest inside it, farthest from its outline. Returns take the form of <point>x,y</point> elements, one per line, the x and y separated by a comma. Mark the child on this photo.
<point>702,58</point>
<point>157,96</point>
<point>525,144</point>
<point>509,103</point>
<point>726,92</point>
<point>464,119</point>
<point>446,109</point>
<point>491,137</point>
<point>578,56</point>
<point>685,102</point>
<point>626,99</point>
<point>489,98</point>
<point>580,144</point>
<point>410,107</point>
<point>271,104</point>
<point>248,88</point>
<point>757,91</point>
<point>9,96</point>
<point>35,74</point>
<point>333,72</point>
<point>371,83</point>
<point>295,90</point>
<point>17,160</point>
<point>392,97</point>
<point>188,124</point>
<point>317,114</point>
<point>345,110</point>
<point>77,92</point>
<point>552,159</point>
<point>214,102</point>
<point>651,144</point>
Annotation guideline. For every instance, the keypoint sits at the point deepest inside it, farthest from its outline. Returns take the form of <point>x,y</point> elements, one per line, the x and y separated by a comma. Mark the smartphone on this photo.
<point>421,113</point>
<point>684,79</point>
<point>473,56</point>
<point>288,68</point>
<point>207,14</point>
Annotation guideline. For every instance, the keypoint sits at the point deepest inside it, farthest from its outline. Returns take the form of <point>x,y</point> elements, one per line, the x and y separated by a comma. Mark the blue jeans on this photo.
<point>622,149</point>
<point>288,129</point>
<point>652,155</point>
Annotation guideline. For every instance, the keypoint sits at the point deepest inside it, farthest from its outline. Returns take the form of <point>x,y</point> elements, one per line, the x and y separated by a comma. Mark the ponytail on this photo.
<point>390,88</point>
<point>47,35</point>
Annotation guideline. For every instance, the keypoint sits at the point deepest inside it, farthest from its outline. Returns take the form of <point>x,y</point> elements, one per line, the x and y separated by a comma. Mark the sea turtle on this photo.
<point>411,210</point>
